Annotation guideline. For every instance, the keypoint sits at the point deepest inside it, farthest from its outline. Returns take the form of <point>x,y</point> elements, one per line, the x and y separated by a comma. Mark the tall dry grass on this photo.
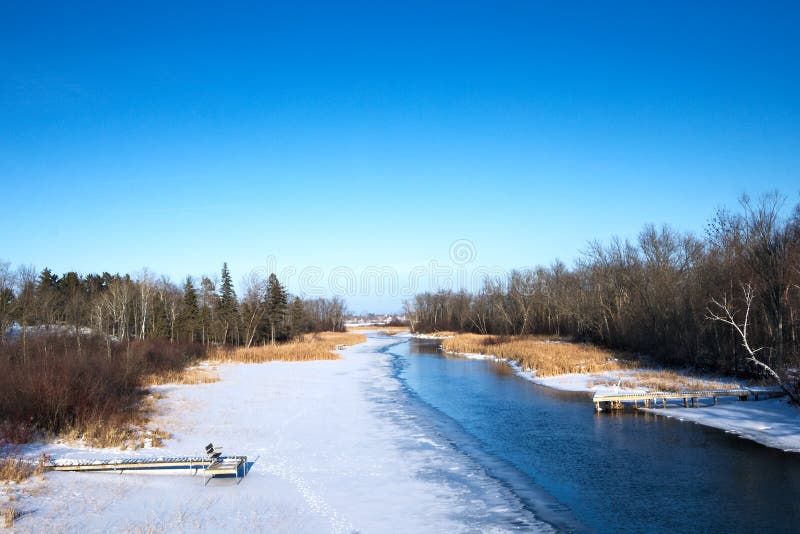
<point>9,515</point>
<point>13,468</point>
<point>546,356</point>
<point>549,357</point>
<point>188,376</point>
<point>310,347</point>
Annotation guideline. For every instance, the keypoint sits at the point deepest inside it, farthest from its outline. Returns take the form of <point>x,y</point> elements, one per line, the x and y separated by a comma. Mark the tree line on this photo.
<point>144,306</point>
<point>662,294</point>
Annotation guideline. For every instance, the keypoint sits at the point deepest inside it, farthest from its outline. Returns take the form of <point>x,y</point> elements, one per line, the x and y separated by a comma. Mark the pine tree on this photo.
<point>275,305</point>
<point>159,324</point>
<point>190,312</point>
<point>208,308</point>
<point>297,315</point>
<point>228,306</point>
<point>48,298</point>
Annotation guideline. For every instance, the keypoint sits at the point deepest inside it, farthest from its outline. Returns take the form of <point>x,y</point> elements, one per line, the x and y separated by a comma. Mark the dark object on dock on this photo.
<point>615,401</point>
<point>222,465</point>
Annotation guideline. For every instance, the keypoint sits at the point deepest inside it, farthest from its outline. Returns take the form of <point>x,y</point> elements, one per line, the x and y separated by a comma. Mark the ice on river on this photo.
<point>335,449</point>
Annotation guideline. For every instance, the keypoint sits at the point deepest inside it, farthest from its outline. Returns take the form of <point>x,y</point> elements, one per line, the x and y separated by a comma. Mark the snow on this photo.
<point>15,330</point>
<point>773,423</point>
<point>577,382</point>
<point>333,449</point>
<point>430,336</point>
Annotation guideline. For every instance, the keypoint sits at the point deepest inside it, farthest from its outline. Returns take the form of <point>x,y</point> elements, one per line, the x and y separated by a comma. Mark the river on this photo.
<point>623,472</point>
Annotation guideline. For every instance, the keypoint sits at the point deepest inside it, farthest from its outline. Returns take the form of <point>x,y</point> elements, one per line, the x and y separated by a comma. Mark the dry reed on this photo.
<point>546,356</point>
<point>549,357</point>
<point>9,514</point>
<point>310,347</point>
<point>13,468</point>
<point>188,376</point>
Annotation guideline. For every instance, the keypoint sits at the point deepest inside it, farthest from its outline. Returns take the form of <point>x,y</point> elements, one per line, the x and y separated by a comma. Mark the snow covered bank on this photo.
<point>577,382</point>
<point>431,336</point>
<point>773,423</point>
<point>333,451</point>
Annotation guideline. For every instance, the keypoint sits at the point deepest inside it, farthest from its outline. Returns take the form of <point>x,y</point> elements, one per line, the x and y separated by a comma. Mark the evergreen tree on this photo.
<point>73,297</point>
<point>47,280</point>
<point>160,321</point>
<point>228,311</point>
<point>190,313</point>
<point>297,315</point>
<point>275,306</point>
<point>208,307</point>
<point>48,298</point>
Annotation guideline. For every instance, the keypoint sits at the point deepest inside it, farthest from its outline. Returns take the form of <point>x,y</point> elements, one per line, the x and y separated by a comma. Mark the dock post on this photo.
<point>685,402</point>
<point>715,400</point>
<point>694,401</point>
<point>664,402</point>
<point>597,407</point>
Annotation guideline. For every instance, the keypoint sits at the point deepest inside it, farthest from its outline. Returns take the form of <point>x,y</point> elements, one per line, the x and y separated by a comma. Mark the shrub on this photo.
<point>57,384</point>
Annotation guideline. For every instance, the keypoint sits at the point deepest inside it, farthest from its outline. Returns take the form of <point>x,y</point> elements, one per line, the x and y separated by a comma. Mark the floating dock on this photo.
<point>604,400</point>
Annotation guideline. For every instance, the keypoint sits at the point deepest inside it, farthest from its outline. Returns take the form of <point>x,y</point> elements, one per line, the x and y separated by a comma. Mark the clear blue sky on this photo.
<point>177,137</point>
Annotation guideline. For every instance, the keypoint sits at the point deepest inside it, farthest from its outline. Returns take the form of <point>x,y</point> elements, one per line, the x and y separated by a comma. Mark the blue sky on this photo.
<point>377,134</point>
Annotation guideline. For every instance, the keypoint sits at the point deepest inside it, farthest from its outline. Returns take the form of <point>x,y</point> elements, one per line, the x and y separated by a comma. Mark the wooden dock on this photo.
<point>226,465</point>
<point>604,400</point>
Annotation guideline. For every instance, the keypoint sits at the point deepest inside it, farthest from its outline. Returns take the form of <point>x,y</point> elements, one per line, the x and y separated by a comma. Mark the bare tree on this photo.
<point>724,311</point>
<point>7,279</point>
<point>252,308</point>
<point>25,301</point>
<point>116,300</point>
<point>146,284</point>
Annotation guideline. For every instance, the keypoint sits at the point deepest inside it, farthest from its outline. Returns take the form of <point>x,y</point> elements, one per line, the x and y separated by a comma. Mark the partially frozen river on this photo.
<point>395,437</point>
<point>630,472</point>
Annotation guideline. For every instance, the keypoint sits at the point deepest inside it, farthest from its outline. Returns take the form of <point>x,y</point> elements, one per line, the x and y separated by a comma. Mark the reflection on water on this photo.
<point>616,472</point>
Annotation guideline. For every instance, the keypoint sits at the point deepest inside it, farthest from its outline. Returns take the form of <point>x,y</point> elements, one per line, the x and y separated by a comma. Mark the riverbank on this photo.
<point>333,450</point>
<point>773,423</point>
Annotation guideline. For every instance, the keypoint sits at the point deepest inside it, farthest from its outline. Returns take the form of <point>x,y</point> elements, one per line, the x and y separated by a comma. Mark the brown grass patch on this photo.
<point>310,347</point>
<point>9,514</point>
<point>547,357</point>
<point>15,469</point>
<point>191,375</point>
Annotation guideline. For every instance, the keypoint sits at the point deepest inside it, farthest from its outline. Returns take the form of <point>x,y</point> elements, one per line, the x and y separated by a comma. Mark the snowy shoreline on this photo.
<point>334,449</point>
<point>772,423</point>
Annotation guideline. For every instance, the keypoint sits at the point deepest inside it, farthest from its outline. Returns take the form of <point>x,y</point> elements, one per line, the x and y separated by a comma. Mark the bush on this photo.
<point>58,384</point>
